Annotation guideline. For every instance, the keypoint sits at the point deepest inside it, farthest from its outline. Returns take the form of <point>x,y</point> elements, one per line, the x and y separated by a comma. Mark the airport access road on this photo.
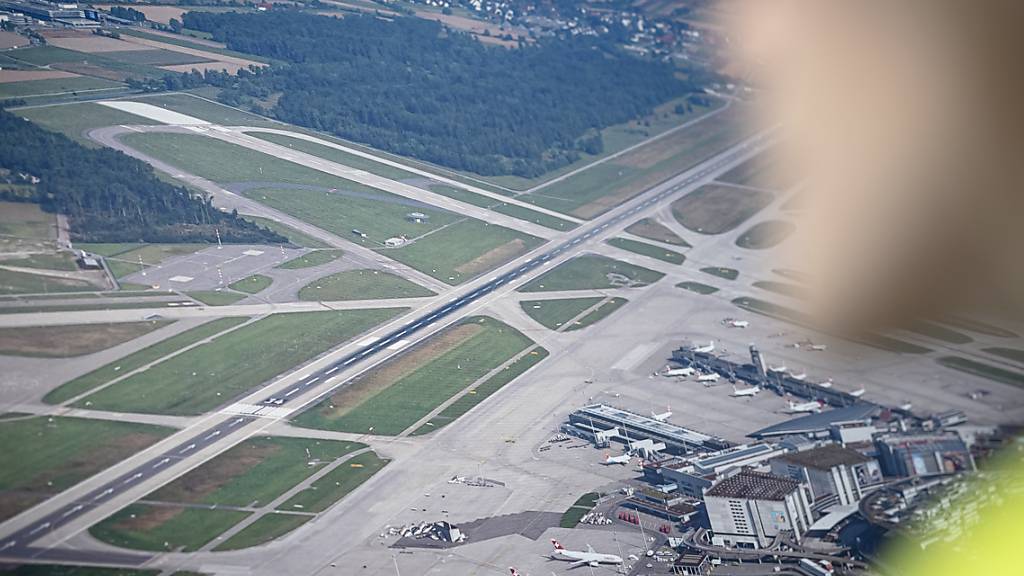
<point>312,386</point>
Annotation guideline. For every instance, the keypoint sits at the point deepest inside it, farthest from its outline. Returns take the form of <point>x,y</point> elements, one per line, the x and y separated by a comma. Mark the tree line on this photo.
<point>107,195</point>
<point>416,88</point>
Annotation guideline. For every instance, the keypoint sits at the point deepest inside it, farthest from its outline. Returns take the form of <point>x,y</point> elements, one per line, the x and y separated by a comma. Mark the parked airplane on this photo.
<point>818,347</point>
<point>857,393</point>
<point>580,558</point>
<point>709,378</point>
<point>739,392</point>
<point>623,459</point>
<point>826,383</point>
<point>738,323</point>
<point>777,368</point>
<point>663,416</point>
<point>705,349</point>
<point>812,406</point>
<point>683,372</point>
<point>799,375</point>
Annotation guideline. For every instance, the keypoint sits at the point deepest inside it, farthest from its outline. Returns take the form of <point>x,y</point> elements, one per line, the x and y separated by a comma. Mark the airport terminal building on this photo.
<point>602,423</point>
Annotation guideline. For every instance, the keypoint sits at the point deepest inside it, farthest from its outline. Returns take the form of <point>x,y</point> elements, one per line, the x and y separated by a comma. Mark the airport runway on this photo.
<point>311,387</point>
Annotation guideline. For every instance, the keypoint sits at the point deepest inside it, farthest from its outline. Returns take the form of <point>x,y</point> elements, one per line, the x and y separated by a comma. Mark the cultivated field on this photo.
<point>361,285</point>
<point>68,341</point>
<point>56,452</point>
<point>394,396</point>
<point>212,374</point>
<point>51,86</point>
<point>109,372</point>
<point>592,272</point>
<point>716,209</point>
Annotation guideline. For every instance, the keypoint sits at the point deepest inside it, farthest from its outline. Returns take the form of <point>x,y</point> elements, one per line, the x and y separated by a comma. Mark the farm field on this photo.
<point>106,373</point>
<point>482,391</point>
<point>336,484</point>
<point>395,395</point>
<point>49,86</point>
<point>53,453</point>
<point>649,250</point>
<point>254,472</point>
<point>716,209</point>
<point>654,230</point>
<point>69,341</point>
<point>599,188</point>
<point>593,272</point>
<point>164,528</point>
<point>361,285</point>
<point>207,376</point>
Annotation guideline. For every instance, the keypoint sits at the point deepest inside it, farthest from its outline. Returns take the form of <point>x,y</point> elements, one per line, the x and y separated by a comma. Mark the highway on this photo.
<point>18,545</point>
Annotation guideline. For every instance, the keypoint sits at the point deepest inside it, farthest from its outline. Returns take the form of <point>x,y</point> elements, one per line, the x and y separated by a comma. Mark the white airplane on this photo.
<point>799,375</point>
<point>580,558</point>
<point>812,406</point>
<point>683,372</point>
<point>623,459</point>
<point>818,347</point>
<point>705,349</point>
<point>663,416</point>
<point>710,377</point>
<point>739,392</point>
<point>826,383</point>
<point>777,368</point>
<point>738,324</point>
<point>857,393</point>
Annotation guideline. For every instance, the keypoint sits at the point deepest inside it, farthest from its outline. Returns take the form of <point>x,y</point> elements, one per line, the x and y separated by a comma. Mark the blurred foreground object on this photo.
<point>904,117</point>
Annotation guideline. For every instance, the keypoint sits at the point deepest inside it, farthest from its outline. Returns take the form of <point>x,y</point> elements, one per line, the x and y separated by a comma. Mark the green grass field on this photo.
<point>767,234</point>
<point>32,88</point>
<point>310,259</point>
<point>214,373</point>
<point>266,528</point>
<point>71,340</point>
<point>1012,354</point>
<point>553,314</point>
<point>394,396</point>
<point>164,528</point>
<point>939,332</point>
<point>513,210</point>
<point>721,272</point>
<point>361,285</point>
<point>336,484</point>
<point>52,453</point>
<point>185,42</point>
<point>52,261</point>
<point>215,297</point>
<point>106,373</point>
<point>716,208</point>
<point>654,230</point>
<point>649,250</point>
<point>597,314</point>
<point>12,282</point>
<point>294,236</point>
<point>594,272</point>
<point>762,171</point>
<point>983,370</point>
<point>123,259</point>
<point>208,110</point>
<point>579,509</point>
<point>482,391</point>
<point>65,570</point>
<point>338,156</point>
<point>599,188</point>
<point>252,284</point>
<point>254,472</point>
<point>980,327</point>
<point>25,226</point>
<point>158,57</point>
<point>698,288</point>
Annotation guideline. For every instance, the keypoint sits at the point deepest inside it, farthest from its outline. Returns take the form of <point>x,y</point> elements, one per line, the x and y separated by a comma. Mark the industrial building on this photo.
<point>905,455</point>
<point>602,423</point>
<point>825,424</point>
<point>750,509</point>
<point>694,476</point>
<point>832,473</point>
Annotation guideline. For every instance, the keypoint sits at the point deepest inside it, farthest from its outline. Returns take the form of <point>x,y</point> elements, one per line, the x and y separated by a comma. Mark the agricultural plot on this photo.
<point>310,259</point>
<point>592,272</point>
<point>653,230</point>
<point>336,484</point>
<point>553,314</point>
<point>51,86</point>
<point>482,391</point>
<point>106,373</point>
<point>207,376</point>
<point>53,453</point>
<point>254,472</point>
<point>361,285</point>
<point>69,341</point>
<point>767,234</point>
<point>716,209</point>
<point>165,528</point>
<point>599,188</point>
<point>392,397</point>
<point>649,250</point>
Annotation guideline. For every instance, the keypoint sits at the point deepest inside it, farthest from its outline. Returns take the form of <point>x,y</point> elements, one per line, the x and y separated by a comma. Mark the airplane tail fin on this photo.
<point>590,549</point>
<point>557,545</point>
<point>512,571</point>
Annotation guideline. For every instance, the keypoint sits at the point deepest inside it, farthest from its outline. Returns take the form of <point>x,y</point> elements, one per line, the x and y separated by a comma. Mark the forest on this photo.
<point>108,196</point>
<point>415,88</point>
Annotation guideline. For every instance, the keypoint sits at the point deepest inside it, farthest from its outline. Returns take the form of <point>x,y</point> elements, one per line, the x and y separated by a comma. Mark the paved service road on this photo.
<point>311,387</point>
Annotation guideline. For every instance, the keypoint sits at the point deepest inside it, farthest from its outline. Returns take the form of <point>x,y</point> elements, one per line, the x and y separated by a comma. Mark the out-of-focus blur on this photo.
<point>905,119</point>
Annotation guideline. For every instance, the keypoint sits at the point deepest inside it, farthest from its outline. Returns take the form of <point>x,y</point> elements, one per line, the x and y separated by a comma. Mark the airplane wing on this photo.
<point>579,563</point>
